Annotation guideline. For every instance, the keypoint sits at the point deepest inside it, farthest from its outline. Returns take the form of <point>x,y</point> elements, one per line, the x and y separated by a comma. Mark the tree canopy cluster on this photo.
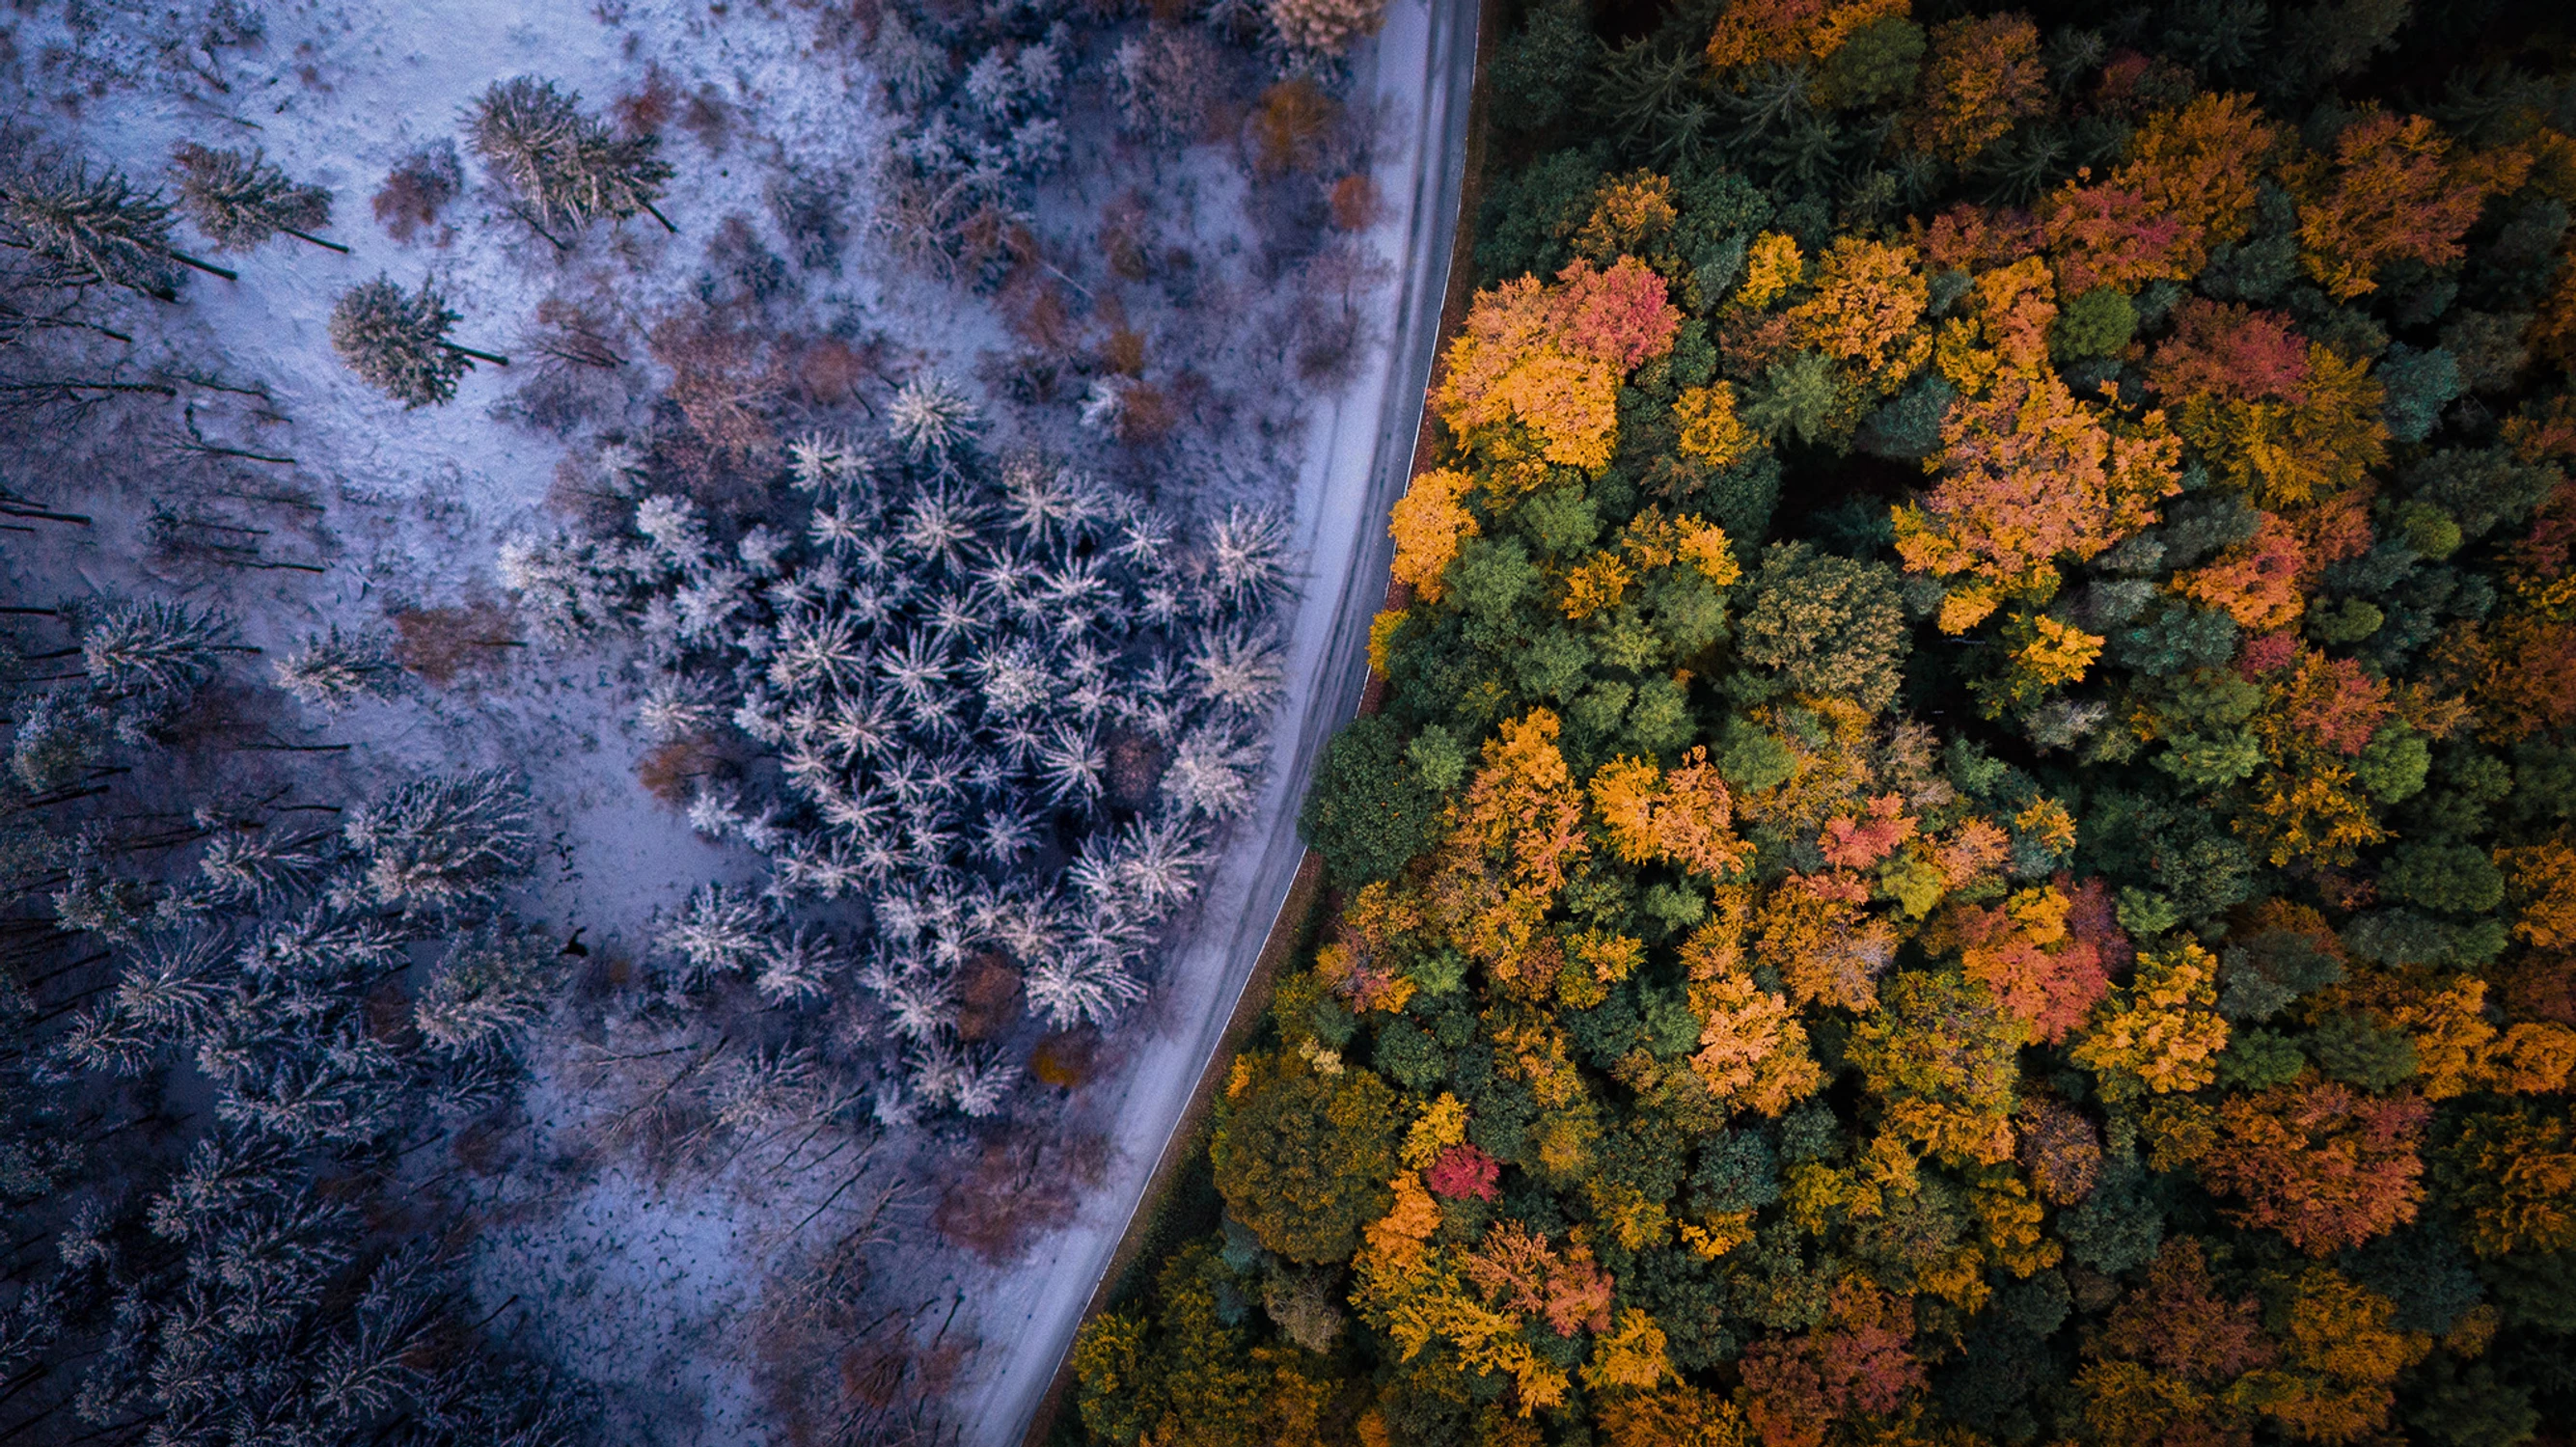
<point>1000,705</point>
<point>1972,836</point>
<point>230,1013</point>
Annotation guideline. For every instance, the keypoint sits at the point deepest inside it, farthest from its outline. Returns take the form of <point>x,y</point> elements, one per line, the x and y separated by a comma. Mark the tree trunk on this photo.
<point>21,510</point>
<point>497,361</point>
<point>208,267</point>
<point>652,211</point>
<point>316,240</point>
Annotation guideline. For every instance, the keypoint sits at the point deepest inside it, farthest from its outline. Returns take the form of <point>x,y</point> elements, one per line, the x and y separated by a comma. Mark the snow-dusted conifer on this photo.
<point>920,1003</point>
<point>719,933</point>
<point>566,167</point>
<point>796,967</point>
<point>676,708</point>
<point>92,228</point>
<point>240,200</point>
<point>61,735</point>
<point>912,67</point>
<point>1237,667</point>
<point>444,842</point>
<point>981,1081</point>
<point>1073,767</point>
<point>334,669</point>
<point>569,587</point>
<point>267,867</point>
<point>1211,773</point>
<point>151,649</point>
<point>174,987</point>
<point>1248,556</point>
<point>1076,987</point>
<point>397,342</point>
<point>931,420</point>
<point>1165,82</point>
<point>493,985</point>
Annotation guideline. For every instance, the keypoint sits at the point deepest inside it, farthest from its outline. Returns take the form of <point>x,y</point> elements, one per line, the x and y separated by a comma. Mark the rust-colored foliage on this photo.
<point>2188,185</point>
<point>1984,74</point>
<point>1817,932</point>
<point>1797,1387</point>
<point>723,379</point>
<point>2060,1148</point>
<point>2392,190</point>
<point>1290,124</point>
<point>2024,951</point>
<point>2284,420</point>
<point>443,644</point>
<point>2256,582</point>
<point>2321,1163</point>
<point>2029,475</point>
<point>1551,357</point>
<point>1016,1187</point>
<point>1521,1273</point>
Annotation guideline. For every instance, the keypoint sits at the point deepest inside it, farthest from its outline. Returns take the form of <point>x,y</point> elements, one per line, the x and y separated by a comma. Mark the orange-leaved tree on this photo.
<point>1985,74</point>
<point>1551,357</point>
<point>2392,190</point>
<point>2188,185</point>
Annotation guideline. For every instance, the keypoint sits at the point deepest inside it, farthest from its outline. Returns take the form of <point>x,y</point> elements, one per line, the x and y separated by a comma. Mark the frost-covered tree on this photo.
<point>565,166</point>
<point>443,842</point>
<point>92,228</point>
<point>965,674</point>
<point>796,967</point>
<point>151,649</point>
<point>930,420</point>
<point>205,1287</point>
<point>334,669</point>
<point>721,932</point>
<point>62,734</point>
<point>961,171</point>
<point>398,342</point>
<point>267,867</point>
<point>1166,83</point>
<point>494,984</point>
<point>241,199</point>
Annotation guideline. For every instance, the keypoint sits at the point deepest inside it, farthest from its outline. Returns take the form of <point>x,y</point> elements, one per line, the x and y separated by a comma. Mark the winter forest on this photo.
<point>1966,828</point>
<point>634,635</point>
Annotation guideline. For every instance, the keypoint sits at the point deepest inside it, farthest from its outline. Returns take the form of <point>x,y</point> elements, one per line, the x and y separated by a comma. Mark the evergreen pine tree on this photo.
<point>493,985</point>
<point>566,167</point>
<point>399,342</point>
<point>94,230</point>
<point>335,669</point>
<point>444,841</point>
<point>152,649</point>
<point>239,201</point>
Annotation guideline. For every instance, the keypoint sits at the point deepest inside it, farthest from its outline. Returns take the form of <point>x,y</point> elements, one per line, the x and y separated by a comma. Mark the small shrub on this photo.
<point>418,188</point>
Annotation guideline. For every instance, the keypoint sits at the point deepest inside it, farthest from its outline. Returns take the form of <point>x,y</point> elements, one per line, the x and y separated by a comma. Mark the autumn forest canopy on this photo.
<point>1971,835</point>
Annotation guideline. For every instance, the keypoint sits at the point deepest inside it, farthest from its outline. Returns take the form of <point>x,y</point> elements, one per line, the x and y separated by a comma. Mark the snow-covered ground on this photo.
<point>636,1279</point>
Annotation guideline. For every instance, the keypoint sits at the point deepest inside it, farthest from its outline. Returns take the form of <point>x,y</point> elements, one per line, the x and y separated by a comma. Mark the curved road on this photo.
<point>1359,456</point>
